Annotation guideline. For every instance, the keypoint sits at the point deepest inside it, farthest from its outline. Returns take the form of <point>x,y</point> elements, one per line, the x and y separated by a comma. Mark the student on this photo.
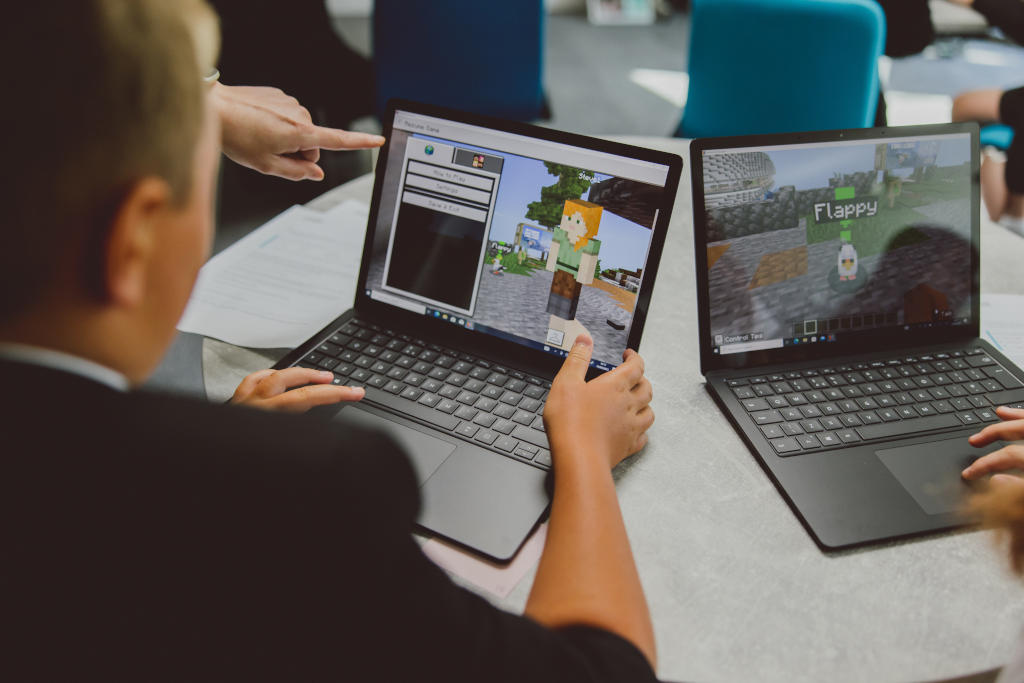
<point>1002,505</point>
<point>149,537</point>
<point>1002,175</point>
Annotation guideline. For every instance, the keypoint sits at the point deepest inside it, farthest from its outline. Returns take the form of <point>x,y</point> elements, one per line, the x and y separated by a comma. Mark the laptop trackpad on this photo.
<point>426,452</point>
<point>930,472</point>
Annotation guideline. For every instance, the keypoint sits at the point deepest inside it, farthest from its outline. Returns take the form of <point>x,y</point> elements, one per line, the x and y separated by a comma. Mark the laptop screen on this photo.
<point>526,239</point>
<point>821,242</point>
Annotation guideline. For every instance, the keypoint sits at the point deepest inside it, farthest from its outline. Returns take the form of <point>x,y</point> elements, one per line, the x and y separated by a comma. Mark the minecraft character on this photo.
<point>573,260</point>
<point>847,262</point>
<point>497,268</point>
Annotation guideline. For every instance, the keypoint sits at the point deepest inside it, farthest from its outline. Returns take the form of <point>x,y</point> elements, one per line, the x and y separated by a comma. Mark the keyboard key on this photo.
<point>831,422</point>
<point>429,399</point>
<point>486,436</point>
<point>848,435</point>
<point>485,404</point>
<point>968,418</point>
<point>538,423</point>
<point>785,446</point>
<point>539,439</point>
<point>415,410</point>
<point>922,424</point>
<point>980,360</point>
<point>791,413</point>
<point>474,385</point>
<point>504,410</point>
<point>851,420</point>
<point>1003,376</point>
<point>377,381</point>
<point>467,429</point>
<point>536,392</point>
<point>754,404</point>
<point>397,373</point>
<point>511,398</point>
<point>792,428</point>
<point>446,405</point>
<point>465,412</point>
<point>394,387</point>
<point>986,415</point>
<point>810,411</point>
<point>924,409</point>
<point>776,401</point>
<point>411,393</point>
<point>811,426</point>
<point>467,397</point>
<point>448,391</point>
<point>484,420</point>
<point>808,441</point>
<point>531,404</point>
<point>522,417</point>
<point>773,431</point>
<point>999,398</point>
<point>491,391</point>
<point>543,457</point>
<point>943,407</point>
<point>506,444</point>
<point>796,399</point>
<point>504,426</point>
<point>828,439</point>
<point>869,417</point>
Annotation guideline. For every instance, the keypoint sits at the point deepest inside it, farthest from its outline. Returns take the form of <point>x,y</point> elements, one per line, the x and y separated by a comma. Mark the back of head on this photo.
<point>98,94</point>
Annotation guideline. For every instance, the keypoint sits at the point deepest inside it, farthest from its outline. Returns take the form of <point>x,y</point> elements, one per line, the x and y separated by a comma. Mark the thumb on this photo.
<point>578,360</point>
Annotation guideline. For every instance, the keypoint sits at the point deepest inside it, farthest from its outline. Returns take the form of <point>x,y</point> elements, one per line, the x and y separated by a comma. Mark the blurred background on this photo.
<point>603,67</point>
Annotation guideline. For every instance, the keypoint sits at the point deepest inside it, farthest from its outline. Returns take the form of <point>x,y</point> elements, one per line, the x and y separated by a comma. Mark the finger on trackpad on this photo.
<point>426,452</point>
<point>930,472</point>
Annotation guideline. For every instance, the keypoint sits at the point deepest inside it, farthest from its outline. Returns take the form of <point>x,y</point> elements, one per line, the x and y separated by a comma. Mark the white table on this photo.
<point>738,590</point>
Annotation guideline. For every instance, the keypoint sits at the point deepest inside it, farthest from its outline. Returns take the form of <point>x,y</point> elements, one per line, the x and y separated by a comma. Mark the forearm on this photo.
<point>587,574</point>
<point>1007,15</point>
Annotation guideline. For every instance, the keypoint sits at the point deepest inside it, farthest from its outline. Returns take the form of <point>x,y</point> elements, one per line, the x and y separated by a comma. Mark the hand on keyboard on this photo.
<point>273,390</point>
<point>609,415</point>
<point>1010,458</point>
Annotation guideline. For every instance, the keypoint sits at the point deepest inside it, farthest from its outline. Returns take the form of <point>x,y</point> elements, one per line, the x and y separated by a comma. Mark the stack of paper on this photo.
<point>281,283</point>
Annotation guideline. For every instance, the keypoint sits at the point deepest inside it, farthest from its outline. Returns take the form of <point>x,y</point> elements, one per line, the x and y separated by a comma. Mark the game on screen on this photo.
<point>810,243</point>
<point>527,249</point>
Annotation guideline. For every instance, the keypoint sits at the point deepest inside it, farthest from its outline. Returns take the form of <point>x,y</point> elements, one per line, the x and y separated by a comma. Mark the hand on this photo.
<point>608,416</point>
<point>270,132</point>
<point>269,389</point>
<point>1008,458</point>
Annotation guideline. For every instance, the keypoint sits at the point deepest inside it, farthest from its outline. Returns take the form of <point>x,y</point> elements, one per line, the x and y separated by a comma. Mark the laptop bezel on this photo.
<point>481,343</point>
<point>883,340</point>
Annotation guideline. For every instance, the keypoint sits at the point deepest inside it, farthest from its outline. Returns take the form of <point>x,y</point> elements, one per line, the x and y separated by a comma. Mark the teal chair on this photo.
<point>482,57</point>
<point>771,66</point>
<point>997,135</point>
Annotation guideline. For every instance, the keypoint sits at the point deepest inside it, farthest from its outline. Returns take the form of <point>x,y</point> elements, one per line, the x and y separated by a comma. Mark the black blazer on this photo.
<point>148,537</point>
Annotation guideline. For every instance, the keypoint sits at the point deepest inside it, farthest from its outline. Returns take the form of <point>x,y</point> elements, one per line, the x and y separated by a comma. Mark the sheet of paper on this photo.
<point>282,282</point>
<point>492,577</point>
<point>1002,324</point>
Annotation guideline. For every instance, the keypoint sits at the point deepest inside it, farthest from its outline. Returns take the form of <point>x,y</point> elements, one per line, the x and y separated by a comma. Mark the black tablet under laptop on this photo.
<point>837,278</point>
<point>490,246</point>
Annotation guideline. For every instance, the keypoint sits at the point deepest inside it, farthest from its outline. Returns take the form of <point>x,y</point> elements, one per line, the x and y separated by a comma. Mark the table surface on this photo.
<point>737,588</point>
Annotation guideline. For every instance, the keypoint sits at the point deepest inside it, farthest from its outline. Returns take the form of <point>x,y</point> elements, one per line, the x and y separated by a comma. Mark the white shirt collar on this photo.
<point>58,360</point>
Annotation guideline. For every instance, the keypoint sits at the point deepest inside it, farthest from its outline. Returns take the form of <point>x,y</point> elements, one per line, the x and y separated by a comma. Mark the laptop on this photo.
<point>490,246</point>
<point>838,296</point>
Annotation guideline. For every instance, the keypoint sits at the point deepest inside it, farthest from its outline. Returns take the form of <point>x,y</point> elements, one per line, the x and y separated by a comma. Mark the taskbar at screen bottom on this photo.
<point>469,324</point>
<point>747,346</point>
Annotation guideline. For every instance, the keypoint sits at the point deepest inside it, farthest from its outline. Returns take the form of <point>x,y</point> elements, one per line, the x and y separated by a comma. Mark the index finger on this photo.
<point>282,380</point>
<point>1009,458</point>
<point>337,139</point>
<point>1012,430</point>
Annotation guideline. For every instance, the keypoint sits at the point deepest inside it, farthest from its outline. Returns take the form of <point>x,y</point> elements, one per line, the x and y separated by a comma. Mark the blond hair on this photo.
<point>109,92</point>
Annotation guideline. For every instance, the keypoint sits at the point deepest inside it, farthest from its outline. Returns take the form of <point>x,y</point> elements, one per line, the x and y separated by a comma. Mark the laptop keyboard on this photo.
<point>492,406</point>
<point>846,405</point>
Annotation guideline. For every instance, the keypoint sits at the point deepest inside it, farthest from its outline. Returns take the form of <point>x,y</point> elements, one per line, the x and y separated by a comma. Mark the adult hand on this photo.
<point>608,416</point>
<point>1006,459</point>
<point>268,131</point>
<point>269,389</point>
